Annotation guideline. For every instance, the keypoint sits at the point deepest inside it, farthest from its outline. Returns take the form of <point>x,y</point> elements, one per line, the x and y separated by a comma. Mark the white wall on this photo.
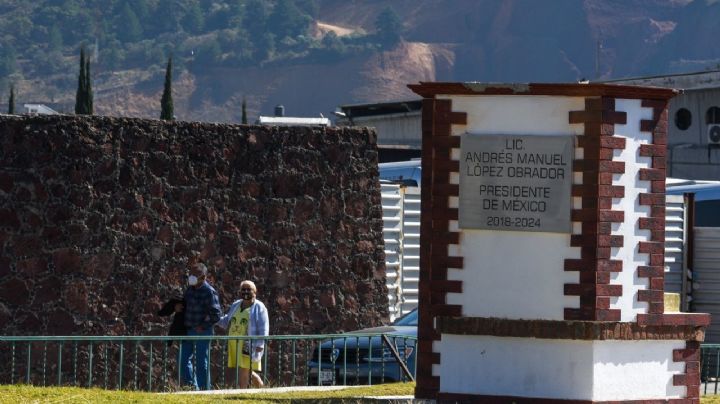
<point>626,370</point>
<point>568,369</point>
<point>514,274</point>
<point>629,229</point>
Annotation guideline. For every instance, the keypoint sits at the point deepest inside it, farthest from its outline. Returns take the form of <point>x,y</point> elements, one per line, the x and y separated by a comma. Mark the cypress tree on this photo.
<point>244,112</point>
<point>80,102</point>
<point>166,103</point>
<point>11,101</point>
<point>89,109</point>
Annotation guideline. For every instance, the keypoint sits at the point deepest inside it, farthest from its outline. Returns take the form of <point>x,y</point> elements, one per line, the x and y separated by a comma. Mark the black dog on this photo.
<point>177,327</point>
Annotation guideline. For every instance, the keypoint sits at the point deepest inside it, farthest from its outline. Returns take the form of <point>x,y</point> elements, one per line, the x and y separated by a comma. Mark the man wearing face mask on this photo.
<point>247,316</point>
<point>202,310</point>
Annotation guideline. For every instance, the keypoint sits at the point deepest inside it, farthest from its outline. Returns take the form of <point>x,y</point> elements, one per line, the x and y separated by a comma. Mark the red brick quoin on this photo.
<point>437,165</point>
<point>596,215</point>
<point>654,271</point>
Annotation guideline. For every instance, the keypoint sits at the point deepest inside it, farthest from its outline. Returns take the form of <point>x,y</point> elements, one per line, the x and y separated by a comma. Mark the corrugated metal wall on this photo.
<point>411,250</point>
<point>674,242</point>
<point>401,230</point>
<point>706,279</point>
<point>392,208</point>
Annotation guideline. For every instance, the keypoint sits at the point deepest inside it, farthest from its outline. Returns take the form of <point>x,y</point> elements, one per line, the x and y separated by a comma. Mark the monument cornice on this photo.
<point>680,326</point>
<point>430,90</point>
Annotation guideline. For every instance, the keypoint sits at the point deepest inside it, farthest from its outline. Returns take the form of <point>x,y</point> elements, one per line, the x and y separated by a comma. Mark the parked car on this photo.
<point>364,357</point>
<point>405,172</point>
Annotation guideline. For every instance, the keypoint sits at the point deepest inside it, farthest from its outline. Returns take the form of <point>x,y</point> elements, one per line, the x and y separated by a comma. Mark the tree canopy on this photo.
<point>44,35</point>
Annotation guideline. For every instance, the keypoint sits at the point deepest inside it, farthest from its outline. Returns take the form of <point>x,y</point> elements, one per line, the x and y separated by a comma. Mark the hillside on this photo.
<point>312,55</point>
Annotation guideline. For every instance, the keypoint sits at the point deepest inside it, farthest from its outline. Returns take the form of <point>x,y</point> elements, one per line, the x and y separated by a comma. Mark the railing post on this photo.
<point>370,361</point>
<point>382,360</point>
<point>195,361</point>
<point>279,355</point>
<point>27,375</point>
<point>717,368</point>
<point>226,360</point>
<point>60,349</point>
<point>345,361</point>
<point>12,372</point>
<point>105,365</point>
<point>265,361</point>
<point>122,365</point>
<point>332,363</point>
<point>292,380</point>
<point>44,361</point>
<point>319,372</point>
<point>135,366</point>
<point>357,360</point>
<point>307,359</point>
<point>90,361</point>
<point>179,363</point>
<point>703,367</point>
<point>75,368</point>
<point>164,366</point>
<point>150,366</point>
<point>237,361</point>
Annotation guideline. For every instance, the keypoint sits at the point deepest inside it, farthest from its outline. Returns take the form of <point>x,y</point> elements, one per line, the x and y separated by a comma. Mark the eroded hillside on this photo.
<point>462,40</point>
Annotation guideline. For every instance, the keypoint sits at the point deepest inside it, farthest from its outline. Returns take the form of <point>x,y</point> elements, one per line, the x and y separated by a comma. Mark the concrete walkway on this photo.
<point>270,390</point>
<point>353,400</point>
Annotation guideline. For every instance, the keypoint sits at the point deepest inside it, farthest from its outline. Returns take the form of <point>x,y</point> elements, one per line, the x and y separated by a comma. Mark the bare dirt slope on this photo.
<point>305,90</point>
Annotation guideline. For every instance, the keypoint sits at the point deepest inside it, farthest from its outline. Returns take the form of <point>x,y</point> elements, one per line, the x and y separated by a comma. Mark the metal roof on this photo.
<point>703,190</point>
<point>292,121</point>
<point>381,108</point>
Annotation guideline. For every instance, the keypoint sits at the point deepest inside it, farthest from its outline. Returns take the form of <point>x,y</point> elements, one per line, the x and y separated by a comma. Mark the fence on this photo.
<point>150,362</point>
<point>709,368</point>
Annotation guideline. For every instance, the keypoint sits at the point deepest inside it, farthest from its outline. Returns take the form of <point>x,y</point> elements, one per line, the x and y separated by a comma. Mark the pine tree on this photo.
<point>193,21</point>
<point>11,101</point>
<point>389,26</point>
<point>131,29</point>
<point>56,39</point>
<point>80,103</point>
<point>166,103</point>
<point>89,109</point>
<point>244,112</point>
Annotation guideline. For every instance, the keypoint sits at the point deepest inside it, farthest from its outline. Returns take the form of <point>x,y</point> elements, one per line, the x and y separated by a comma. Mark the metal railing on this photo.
<point>150,363</point>
<point>709,368</point>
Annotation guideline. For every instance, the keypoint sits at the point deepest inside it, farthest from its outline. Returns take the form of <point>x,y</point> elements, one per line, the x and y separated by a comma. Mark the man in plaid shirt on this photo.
<point>202,311</point>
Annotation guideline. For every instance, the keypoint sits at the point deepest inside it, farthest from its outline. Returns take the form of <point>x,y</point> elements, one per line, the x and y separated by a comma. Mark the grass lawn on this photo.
<point>28,394</point>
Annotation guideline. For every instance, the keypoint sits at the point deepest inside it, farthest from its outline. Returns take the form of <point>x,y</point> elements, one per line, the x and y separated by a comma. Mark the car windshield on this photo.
<point>410,319</point>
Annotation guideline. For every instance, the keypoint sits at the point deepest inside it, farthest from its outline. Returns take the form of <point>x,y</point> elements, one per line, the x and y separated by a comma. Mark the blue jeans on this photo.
<point>199,350</point>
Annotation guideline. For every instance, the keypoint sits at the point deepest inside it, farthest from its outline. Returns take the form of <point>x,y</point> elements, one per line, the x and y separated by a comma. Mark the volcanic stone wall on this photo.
<point>99,218</point>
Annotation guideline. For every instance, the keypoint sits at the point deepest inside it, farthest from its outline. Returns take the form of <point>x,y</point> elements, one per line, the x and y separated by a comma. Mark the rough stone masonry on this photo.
<point>100,216</point>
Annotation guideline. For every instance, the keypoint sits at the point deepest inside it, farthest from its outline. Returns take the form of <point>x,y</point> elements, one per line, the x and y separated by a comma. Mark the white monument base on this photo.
<point>559,369</point>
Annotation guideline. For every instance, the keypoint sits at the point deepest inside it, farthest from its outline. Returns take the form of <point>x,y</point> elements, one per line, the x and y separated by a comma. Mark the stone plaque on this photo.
<point>519,183</point>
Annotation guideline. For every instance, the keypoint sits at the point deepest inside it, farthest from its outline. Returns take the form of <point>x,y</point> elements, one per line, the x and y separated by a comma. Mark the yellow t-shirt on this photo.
<point>239,326</point>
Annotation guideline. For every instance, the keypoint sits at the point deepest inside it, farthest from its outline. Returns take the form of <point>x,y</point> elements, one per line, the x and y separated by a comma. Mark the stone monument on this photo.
<point>542,247</point>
